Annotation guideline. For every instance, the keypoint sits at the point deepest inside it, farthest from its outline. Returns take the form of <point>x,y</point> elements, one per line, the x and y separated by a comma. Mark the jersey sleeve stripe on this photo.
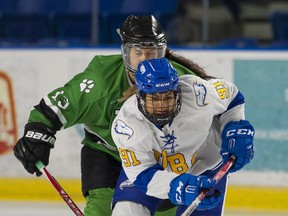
<point>239,99</point>
<point>144,178</point>
<point>52,112</point>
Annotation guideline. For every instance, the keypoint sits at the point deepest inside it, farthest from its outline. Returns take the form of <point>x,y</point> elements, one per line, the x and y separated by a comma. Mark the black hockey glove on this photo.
<point>35,145</point>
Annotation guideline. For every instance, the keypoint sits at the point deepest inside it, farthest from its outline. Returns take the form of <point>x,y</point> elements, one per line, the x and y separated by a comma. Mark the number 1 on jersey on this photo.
<point>128,157</point>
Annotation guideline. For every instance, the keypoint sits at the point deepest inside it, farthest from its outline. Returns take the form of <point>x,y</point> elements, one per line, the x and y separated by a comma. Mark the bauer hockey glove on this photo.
<point>35,145</point>
<point>185,188</point>
<point>237,139</point>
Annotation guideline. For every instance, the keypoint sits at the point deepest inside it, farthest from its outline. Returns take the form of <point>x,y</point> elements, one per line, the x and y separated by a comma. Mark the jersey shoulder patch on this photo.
<point>120,127</point>
<point>196,88</point>
<point>200,93</point>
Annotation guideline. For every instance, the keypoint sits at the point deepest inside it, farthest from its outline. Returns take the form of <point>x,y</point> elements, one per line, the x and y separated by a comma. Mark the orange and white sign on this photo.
<point>8,129</point>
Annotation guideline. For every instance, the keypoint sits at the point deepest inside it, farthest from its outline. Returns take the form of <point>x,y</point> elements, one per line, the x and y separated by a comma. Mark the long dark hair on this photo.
<point>189,64</point>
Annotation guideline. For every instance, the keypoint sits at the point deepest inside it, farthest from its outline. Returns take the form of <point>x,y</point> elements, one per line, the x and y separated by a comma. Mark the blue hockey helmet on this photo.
<point>157,76</point>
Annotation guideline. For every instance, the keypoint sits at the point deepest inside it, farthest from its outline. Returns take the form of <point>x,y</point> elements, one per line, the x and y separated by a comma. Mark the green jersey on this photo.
<point>90,98</point>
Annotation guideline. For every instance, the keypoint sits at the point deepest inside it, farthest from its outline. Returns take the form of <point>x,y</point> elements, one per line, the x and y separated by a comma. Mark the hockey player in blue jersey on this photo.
<point>173,135</point>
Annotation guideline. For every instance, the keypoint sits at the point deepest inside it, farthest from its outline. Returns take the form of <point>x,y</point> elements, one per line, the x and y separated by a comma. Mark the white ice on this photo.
<point>25,208</point>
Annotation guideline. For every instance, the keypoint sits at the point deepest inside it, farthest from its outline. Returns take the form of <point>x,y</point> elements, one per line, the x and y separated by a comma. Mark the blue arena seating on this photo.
<point>80,7</point>
<point>149,6</point>
<point>163,10</point>
<point>25,29</point>
<point>28,7</point>
<point>7,6</point>
<point>110,6</point>
<point>238,42</point>
<point>279,23</point>
<point>27,23</point>
<point>79,17</point>
<point>56,6</point>
<point>73,28</point>
<point>74,25</point>
<point>35,21</point>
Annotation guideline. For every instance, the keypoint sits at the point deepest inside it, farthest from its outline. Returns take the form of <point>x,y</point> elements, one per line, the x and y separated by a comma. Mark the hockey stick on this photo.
<point>204,192</point>
<point>60,190</point>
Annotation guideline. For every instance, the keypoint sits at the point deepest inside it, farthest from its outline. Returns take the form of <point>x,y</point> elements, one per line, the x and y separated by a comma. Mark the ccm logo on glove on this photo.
<point>237,140</point>
<point>186,187</point>
<point>240,131</point>
<point>40,136</point>
<point>179,192</point>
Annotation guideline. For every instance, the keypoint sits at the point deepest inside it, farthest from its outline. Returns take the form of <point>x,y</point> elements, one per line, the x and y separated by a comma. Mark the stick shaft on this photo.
<point>204,192</point>
<point>59,189</point>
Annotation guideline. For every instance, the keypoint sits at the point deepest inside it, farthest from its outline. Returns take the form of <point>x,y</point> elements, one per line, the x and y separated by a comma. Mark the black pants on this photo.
<point>98,170</point>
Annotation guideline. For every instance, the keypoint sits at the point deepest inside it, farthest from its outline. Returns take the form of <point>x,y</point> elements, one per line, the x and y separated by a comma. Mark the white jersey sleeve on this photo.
<point>228,95</point>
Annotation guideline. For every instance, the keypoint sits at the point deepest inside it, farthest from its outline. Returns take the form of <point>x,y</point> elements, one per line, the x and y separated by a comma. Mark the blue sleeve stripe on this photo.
<point>239,99</point>
<point>145,177</point>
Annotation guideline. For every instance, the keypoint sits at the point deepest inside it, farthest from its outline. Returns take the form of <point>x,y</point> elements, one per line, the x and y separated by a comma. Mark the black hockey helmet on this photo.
<point>142,32</point>
<point>138,29</point>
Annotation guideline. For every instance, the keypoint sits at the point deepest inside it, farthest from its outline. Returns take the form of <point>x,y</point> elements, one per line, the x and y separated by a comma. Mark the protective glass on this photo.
<point>133,54</point>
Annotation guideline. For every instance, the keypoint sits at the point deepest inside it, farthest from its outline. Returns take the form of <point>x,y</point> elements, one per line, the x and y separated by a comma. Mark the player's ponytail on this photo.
<point>128,93</point>
<point>189,64</point>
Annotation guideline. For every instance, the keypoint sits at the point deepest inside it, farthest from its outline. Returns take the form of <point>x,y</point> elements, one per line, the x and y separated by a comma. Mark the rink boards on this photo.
<point>252,198</point>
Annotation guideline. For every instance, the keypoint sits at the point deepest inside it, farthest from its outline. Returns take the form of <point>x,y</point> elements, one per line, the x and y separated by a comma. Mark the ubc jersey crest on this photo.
<point>188,144</point>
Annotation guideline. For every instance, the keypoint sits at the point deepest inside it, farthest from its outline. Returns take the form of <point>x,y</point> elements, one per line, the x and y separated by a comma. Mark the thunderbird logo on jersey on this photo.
<point>8,130</point>
<point>121,128</point>
<point>200,92</point>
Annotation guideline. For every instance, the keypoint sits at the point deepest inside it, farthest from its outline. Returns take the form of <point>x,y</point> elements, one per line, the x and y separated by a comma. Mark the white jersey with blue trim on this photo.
<point>152,156</point>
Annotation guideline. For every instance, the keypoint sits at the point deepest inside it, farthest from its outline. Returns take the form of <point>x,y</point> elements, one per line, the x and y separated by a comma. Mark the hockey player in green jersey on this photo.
<point>92,98</point>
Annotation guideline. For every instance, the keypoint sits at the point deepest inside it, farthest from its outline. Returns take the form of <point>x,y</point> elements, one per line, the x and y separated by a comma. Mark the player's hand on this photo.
<point>185,188</point>
<point>35,145</point>
<point>211,201</point>
<point>237,139</point>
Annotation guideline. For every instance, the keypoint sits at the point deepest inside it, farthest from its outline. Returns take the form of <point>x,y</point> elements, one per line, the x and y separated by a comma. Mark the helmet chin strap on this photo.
<point>131,76</point>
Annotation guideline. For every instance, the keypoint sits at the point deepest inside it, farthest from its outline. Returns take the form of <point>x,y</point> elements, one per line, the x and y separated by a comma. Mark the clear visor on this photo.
<point>133,54</point>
